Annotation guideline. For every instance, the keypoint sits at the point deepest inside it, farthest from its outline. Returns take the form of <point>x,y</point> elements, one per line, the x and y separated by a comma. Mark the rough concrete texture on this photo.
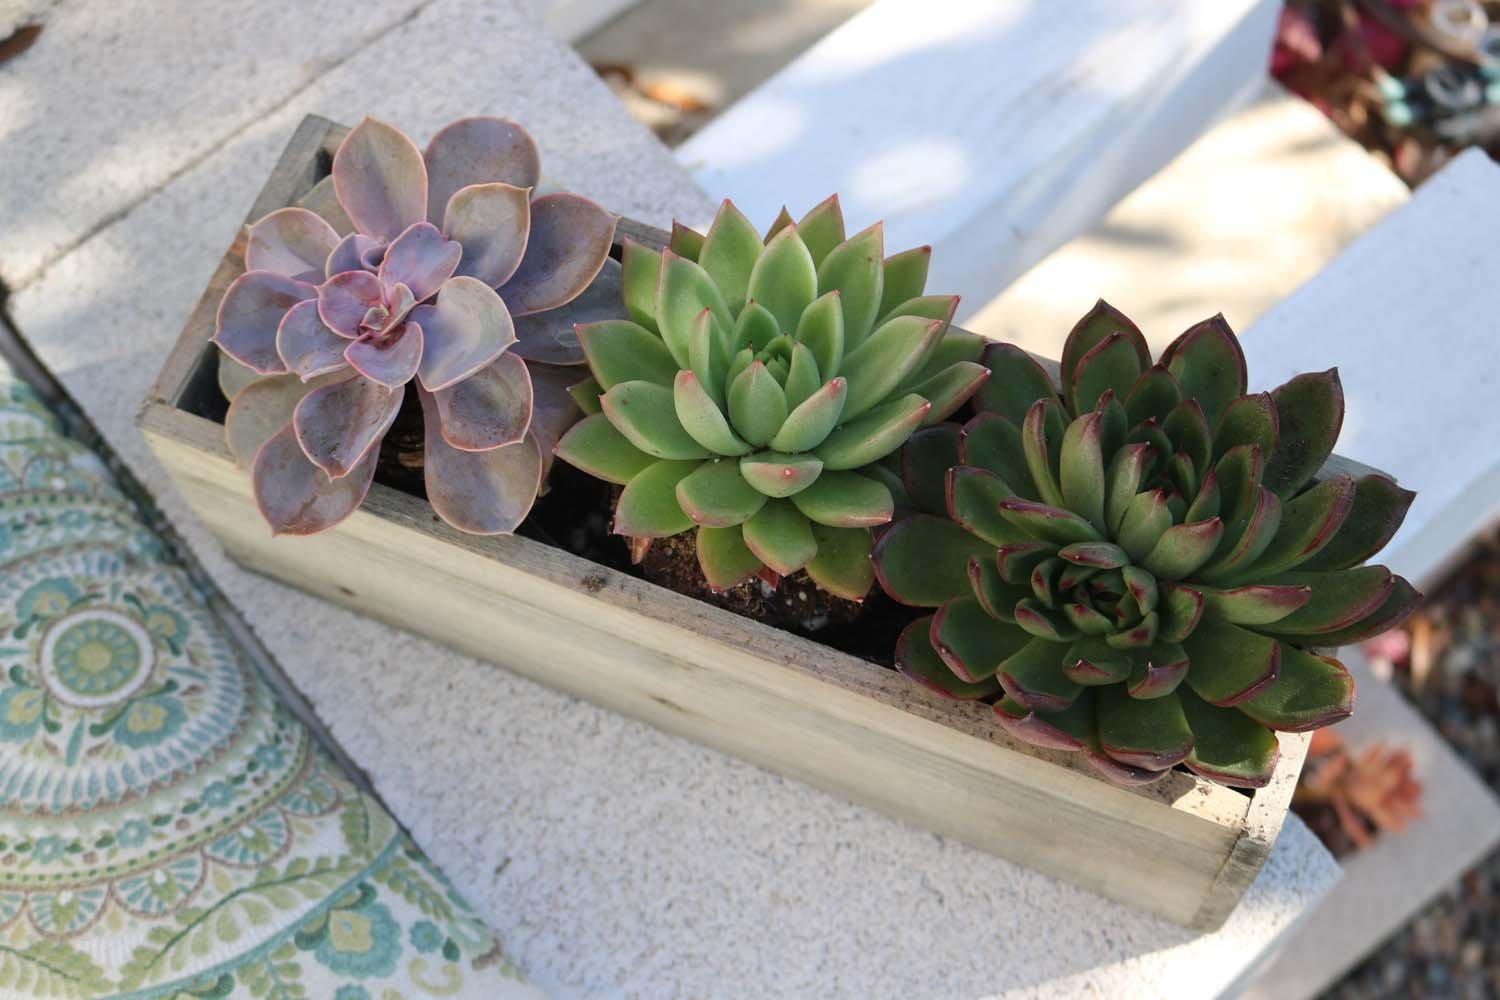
<point>1252,209</point>
<point>1388,882</point>
<point>615,860</point>
<point>121,95</point>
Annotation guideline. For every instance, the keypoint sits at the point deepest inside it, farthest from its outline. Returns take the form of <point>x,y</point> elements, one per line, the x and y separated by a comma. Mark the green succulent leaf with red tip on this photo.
<point>1154,550</point>
<point>771,375</point>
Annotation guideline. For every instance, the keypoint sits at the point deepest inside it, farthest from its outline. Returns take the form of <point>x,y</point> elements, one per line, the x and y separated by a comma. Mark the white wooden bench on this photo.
<point>993,129</point>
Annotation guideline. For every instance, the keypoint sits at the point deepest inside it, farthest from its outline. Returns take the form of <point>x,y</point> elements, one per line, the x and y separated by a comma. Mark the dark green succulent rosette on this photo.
<point>1142,564</point>
<point>756,381</point>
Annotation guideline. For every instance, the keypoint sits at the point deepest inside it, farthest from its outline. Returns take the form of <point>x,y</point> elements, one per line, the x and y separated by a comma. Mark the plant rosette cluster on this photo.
<point>1141,564</point>
<point>443,281</point>
<point>755,385</point>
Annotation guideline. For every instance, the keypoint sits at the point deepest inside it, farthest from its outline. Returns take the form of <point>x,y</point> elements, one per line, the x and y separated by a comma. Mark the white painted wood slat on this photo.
<point>993,129</point>
<point>1408,315</point>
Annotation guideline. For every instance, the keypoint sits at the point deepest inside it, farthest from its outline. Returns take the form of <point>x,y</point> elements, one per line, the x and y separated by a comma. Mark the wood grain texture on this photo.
<point>1184,848</point>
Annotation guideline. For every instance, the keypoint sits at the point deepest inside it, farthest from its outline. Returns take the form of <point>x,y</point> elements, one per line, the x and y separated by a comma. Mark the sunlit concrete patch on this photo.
<point>117,96</point>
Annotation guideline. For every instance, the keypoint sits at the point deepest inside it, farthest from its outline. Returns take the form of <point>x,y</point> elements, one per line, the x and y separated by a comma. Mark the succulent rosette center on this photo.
<point>1140,561</point>
<point>448,258</point>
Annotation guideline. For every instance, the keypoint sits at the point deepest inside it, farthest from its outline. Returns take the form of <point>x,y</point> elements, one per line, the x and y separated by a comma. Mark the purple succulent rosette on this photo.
<point>449,258</point>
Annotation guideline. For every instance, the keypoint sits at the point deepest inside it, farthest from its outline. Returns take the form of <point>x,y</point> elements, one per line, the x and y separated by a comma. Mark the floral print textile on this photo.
<point>167,828</point>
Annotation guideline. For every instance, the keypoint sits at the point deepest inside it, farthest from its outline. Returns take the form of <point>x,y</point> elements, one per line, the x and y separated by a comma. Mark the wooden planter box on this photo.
<point>1184,848</point>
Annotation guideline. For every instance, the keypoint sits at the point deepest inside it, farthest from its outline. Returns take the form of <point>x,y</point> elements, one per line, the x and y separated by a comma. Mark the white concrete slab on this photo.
<point>1407,313</point>
<point>118,96</point>
<point>1387,883</point>
<point>993,129</point>
<point>616,861</point>
<point>1251,210</point>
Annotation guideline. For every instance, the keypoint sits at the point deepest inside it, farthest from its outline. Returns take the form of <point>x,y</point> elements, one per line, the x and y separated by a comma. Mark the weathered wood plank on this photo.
<point>803,710</point>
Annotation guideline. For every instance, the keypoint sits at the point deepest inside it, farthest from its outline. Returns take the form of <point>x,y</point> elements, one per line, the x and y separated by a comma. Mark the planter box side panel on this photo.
<point>1172,859</point>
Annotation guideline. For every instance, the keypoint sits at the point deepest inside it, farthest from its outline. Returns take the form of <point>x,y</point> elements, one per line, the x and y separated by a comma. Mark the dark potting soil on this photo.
<point>575,514</point>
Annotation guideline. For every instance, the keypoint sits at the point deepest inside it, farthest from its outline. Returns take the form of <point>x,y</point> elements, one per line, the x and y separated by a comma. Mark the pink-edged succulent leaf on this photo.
<point>1121,774</point>
<point>390,360</point>
<point>569,241</point>
<point>1158,670</point>
<point>1112,365</point>
<point>1308,523</point>
<point>292,242</point>
<point>1400,602</point>
<point>998,597</point>
<point>781,537</point>
<point>918,660</point>
<point>340,423</point>
<point>648,506</point>
<point>492,221</point>
<point>716,495</point>
<point>380,179</point>
<point>923,560</point>
<point>480,492</point>
<point>306,346</point>
<point>1230,664</point>
<point>295,496</point>
<point>725,558</point>
<point>1379,508</point>
<point>595,446</point>
<point>972,498</point>
<point>1339,599</point>
<point>1148,733</point>
<point>553,409</point>
<point>351,253</point>
<point>777,474</point>
<point>1072,728</point>
<point>925,461</point>
<point>1097,325</point>
<point>478,150</point>
<point>346,298</point>
<point>466,329</point>
<point>1257,603</point>
<point>841,565</point>
<point>972,643</point>
<point>1033,676</point>
<point>250,313</point>
<point>421,259</point>
<point>1309,692</point>
<point>1310,414</point>
<point>846,500</point>
<point>1017,384</point>
<point>1181,609</point>
<point>1052,524</point>
<point>1209,366</point>
<point>1228,746</point>
<point>552,337</point>
<point>1182,548</point>
<point>261,409</point>
<point>489,409</point>
<point>1093,662</point>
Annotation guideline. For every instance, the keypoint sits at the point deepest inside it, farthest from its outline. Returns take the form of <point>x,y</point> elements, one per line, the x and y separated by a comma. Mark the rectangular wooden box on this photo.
<point>1183,848</point>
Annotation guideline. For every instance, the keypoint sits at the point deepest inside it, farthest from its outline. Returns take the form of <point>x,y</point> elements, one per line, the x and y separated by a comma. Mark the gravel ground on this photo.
<point>1447,661</point>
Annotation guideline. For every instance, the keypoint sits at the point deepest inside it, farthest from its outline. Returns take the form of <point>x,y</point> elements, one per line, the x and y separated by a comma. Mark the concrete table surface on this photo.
<point>613,859</point>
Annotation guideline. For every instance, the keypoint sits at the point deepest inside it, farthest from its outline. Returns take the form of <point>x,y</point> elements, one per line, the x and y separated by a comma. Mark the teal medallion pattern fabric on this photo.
<point>167,828</point>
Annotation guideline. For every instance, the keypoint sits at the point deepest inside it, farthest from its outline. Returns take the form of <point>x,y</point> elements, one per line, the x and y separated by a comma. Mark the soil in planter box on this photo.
<point>575,515</point>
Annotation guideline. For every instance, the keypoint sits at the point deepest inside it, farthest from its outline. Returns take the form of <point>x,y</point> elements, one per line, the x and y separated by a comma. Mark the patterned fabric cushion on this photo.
<point>167,827</point>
